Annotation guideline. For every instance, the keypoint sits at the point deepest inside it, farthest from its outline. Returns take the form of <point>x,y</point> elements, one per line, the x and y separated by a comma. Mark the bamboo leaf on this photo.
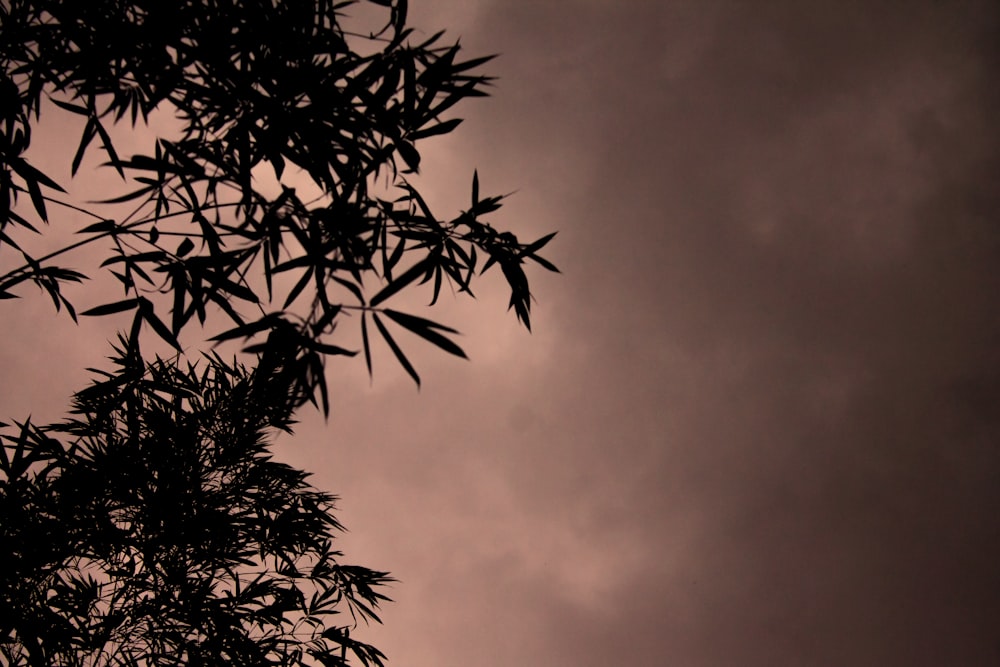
<point>103,226</point>
<point>29,173</point>
<point>546,263</point>
<point>72,108</point>
<point>538,245</point>
<point>408,276</point>
<point>426,329</point>
<point>248,330</point>
<point>161,329</point>
<point>109,308</point>
<point>130,196</point>
<point>186,246</point>
<point>393,259</point>
<point>327,348</point>
<point>299,286</point>
<point>409,154</point>
<point>440,128</point>
<point>400,357</point>
<point>85,138</point>
<point>364,341</point>
<point>109,147</point>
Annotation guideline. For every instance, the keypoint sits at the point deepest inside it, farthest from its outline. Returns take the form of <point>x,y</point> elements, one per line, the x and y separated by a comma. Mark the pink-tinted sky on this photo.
<point>758,420</point>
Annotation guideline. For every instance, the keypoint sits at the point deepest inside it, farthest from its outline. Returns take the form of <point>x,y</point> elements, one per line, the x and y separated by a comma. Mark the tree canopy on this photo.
<point>152,526</point>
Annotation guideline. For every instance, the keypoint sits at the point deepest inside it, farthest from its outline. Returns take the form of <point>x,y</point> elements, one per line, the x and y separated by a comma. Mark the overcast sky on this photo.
<point>757,422</point>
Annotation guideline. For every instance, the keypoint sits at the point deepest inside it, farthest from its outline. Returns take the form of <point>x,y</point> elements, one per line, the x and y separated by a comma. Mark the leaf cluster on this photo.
<point>255,85</point>
<point>154,528</point>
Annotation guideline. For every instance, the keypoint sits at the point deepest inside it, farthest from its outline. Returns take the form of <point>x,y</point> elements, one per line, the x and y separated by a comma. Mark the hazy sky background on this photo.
<point>758,420</point>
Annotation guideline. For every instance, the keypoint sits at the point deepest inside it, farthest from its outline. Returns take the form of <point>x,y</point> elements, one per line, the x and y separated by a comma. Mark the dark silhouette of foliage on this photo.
<point>255,85</point>
<point>152,527</point>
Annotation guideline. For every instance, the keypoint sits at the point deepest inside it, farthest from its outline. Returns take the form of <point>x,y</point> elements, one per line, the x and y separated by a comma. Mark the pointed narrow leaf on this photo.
<point>37,200</point>
<point>441,128</point>
<point>408,276</point>
<point>532,248</point>
<point>327,348</point>
<point>153,256</point>
<point>354,289</point>
<point>393,258</point>
<point>404,362</point>
<point>248,330</point>
<point>299,286</point>
<point>437,284</point>
<point>546,263</point>
<point>411,321</point>
<point>414,195</point>
<point>324,394</point>
<point>221,282</point>
<point>426,330</point>
<point>330,312</point>
<point>409,154</point>
<point>135,194</point>
<point>85,138</point>
<point>72,108</point>
<point>109,308</point>
<point>29,173</point>
<point>109,147</point>
<point>471,64</point>
<point>148,314</point>
<point>364,341</point>
<point>102,226</point>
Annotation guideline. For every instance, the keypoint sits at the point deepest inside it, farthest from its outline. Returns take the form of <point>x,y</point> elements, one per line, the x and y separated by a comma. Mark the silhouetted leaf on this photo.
<point>221,282</point>
<point>186,246</point>
<point>538,245</point>
<point>393,259</point>
<point>544,262</point>
<point>299,286</point>
<point>365,343</point>
<point>400,357</point>
<point>149,314</point>
<point>472,63</point>
<point>250,329</point>
<point>88,134</point>
<point>327,348</point>
<point>109,147</point>
<point>440,128</point>
<point>110,308</point>
<point>72,108</point>
<point>131,196</point>
<point>426,329</point>
<point>104,226</point>
<point>408,276</point>
<point>409,154</point>
<point>30,174</point>
<point>154,256</point>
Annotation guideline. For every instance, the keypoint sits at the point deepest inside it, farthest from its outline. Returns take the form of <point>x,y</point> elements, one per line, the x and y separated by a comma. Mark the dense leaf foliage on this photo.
<point>153,527</point>
<point>255,86</point>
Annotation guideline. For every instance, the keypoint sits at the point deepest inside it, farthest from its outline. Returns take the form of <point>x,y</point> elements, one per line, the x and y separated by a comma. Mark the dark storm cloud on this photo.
<point>777,331</point>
